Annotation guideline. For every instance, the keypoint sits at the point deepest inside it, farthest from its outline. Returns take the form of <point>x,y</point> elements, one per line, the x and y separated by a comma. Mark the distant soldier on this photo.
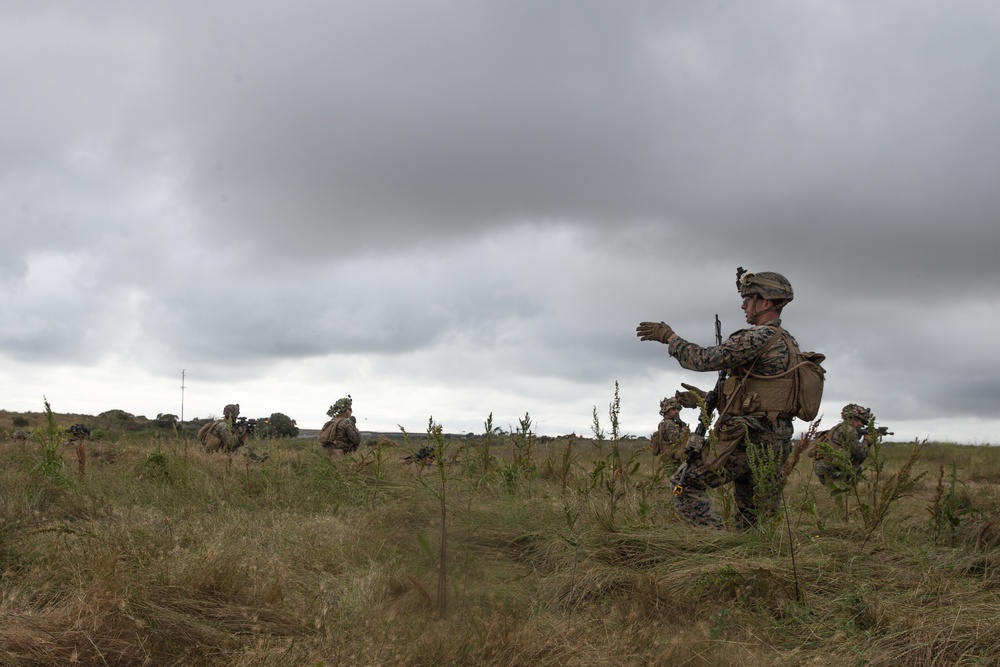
<point>672,434</point>
<point>221,435</point>
<point>78,441</point>
<point>840,451</point>
<point>21,436</point>
<point>341,432</point>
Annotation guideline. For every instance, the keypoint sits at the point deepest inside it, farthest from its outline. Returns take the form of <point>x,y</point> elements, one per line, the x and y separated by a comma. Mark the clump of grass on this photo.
<point>950,506</point>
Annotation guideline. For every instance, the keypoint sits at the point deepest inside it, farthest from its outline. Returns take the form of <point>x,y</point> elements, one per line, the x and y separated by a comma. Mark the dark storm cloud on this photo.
<point>853,134</point>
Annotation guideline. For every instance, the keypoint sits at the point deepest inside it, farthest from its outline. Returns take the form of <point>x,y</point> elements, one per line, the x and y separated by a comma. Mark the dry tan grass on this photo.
<point>166,555</point>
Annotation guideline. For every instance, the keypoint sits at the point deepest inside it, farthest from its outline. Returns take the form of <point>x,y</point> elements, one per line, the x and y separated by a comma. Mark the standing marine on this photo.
<point>672,434</point>
<point>341,432</point>
<point>755,406</point>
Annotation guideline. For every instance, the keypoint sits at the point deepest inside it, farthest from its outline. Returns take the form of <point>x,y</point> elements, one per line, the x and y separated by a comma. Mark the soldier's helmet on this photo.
<point>767,285</point>
<point>79,431</point>
<point>340,406</point>
<point>669,403</point>
<point>855,411</point>
<point>231,411</point>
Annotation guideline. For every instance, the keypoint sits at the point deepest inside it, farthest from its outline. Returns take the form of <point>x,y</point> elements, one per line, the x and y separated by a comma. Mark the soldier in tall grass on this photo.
<point>340,434</point>
<point>223,436</point>
<point>671,435</point>
<point>840,451</point>
<point>226,434</point>
<point>748,414</point>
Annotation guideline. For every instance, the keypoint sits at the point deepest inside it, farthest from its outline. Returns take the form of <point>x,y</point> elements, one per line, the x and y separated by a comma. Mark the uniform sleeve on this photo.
<point>351,433</point>
<point>740,348</point>
<point>859,451</point>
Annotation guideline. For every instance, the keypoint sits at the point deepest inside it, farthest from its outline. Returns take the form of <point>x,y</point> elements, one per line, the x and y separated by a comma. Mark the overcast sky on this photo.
<point>448,209</point>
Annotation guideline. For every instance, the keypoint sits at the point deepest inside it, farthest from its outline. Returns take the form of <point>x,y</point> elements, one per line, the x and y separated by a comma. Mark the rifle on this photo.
<point>882,430</point>
<point>711,403</point>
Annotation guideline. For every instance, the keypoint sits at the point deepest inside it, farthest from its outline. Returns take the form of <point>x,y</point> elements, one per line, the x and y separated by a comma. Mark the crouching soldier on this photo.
<point>223,436</point>
<point>840,451</point>
<point>340,434</point>
<point>671,435</point>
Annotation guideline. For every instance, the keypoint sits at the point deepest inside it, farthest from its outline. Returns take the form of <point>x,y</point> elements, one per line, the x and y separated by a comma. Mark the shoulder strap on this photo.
<point>767,346</point>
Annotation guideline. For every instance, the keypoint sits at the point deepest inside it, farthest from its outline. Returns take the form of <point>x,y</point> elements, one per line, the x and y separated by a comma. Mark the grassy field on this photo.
<point>513,552</point>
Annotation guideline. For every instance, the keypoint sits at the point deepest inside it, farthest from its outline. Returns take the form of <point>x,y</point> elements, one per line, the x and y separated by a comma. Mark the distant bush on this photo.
<point>20,421</point>
<point>118,420</point>
<point>165,420</point>
<point>282,426</point>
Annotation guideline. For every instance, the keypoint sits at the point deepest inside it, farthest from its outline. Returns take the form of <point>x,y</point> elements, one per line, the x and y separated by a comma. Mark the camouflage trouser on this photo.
<point>338,449</point>
<point>694,504</point>
<point>834,476</point>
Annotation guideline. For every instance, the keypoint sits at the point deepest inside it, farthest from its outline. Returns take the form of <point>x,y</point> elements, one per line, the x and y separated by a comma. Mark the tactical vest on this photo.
<point>796,392</point>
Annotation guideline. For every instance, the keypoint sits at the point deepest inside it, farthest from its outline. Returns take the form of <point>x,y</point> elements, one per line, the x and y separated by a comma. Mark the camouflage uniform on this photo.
<point>341,432</point>
<point>747,416</point>
<point>770,434</point>
<point>845,438</point>
<point>220,435</point>
<point>671,435</point>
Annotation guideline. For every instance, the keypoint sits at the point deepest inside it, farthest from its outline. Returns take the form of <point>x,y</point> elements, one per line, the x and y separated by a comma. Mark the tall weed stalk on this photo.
<point>51,465</point>
<point>612,472</point>
<point>883,489</point>
<point>950,506</point>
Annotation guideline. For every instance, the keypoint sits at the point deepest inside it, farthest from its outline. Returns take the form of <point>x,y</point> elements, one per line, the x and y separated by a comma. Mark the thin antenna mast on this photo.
<point>182,397</point>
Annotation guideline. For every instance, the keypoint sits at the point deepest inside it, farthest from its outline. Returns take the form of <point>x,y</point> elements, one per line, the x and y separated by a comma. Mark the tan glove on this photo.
<point>658,331</point>
<point>689,398</point>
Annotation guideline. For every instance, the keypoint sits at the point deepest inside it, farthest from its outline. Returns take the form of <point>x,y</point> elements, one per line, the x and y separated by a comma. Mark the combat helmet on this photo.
<point>669,403</point>
<point>855,411</point>
<point>342,404</point>
<point>766,284</point>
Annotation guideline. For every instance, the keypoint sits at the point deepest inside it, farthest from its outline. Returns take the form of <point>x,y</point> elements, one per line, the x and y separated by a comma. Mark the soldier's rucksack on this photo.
<point>796,392</point>
<point>822,436</point>
<point>810,376</point>
<point>329,431</point>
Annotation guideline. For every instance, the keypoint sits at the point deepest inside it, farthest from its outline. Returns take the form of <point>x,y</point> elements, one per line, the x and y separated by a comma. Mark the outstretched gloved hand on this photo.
<point>658,331</point>
<point>689,398</point>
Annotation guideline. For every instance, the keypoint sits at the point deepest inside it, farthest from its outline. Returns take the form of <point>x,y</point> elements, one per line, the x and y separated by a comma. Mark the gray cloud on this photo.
<point>486,198</point>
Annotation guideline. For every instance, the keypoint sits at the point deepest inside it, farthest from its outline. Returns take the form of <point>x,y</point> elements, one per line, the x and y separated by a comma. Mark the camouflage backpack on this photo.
<point>326,435</point>
<point>796,392</point>
<point>809,376</point>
